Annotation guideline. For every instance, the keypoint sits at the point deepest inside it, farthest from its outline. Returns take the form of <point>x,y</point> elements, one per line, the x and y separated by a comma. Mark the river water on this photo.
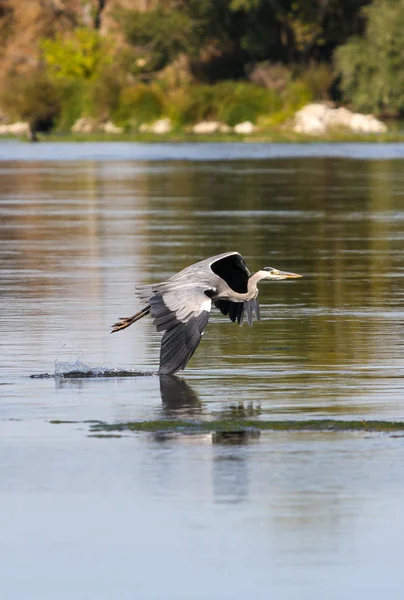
<point>285,515</point>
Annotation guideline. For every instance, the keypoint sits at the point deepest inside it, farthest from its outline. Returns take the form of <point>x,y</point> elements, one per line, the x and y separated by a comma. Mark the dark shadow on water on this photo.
<point>178,395</point>
<point>237,437</point>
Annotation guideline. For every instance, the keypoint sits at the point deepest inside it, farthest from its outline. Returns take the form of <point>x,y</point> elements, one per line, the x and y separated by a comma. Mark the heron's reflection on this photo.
<point>230,481</point>
<point>178,395</point>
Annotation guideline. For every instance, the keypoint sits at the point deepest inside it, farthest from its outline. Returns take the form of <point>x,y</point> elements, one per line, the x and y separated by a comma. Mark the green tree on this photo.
<point>158,36</point>
<point>221,37</point>
<point>81,66</point>
<point>33,98</point>
<point>371,67</point>
<point>80,56</point>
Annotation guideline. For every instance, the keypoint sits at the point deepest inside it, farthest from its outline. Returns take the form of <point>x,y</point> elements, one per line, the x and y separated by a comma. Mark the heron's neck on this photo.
<point>252,289</point>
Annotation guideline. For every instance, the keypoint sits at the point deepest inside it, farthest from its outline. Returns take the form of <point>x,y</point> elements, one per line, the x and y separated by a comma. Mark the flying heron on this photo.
<point>181,305</point>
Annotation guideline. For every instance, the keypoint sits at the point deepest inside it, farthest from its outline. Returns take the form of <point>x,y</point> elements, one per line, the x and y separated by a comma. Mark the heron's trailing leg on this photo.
<point>124,322</point>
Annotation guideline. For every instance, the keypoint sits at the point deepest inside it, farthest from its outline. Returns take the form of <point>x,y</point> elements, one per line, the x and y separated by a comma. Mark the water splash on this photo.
<point>79,369</point>
<point>64,368</point>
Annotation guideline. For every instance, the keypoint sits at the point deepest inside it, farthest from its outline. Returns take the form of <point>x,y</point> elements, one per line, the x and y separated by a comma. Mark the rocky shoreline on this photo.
<point>314,120</point>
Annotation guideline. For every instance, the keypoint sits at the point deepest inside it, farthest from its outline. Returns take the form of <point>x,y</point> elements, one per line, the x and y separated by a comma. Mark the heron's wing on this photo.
<point>237,310</point>
<point>233,270</point>
<point>182,314</point>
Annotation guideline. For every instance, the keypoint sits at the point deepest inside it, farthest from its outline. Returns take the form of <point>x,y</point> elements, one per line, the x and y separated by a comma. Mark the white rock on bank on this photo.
<point>367,124</point>
<point>159,127</point>
<point>18,128</point>
<point>207,127</point>
<point>84,125</point>
<point>311,119</point>
<point>244,128</point>
<point>110,127</point>
<point>317,119</point>
<point>162,126</point>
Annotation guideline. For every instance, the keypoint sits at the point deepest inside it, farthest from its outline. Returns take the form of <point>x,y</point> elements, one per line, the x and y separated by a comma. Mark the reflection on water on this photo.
<point>287,515</point>
<point>177,395</point>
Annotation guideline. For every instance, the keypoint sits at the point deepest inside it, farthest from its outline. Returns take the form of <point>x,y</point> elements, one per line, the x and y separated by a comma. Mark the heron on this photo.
<point>181,305</point>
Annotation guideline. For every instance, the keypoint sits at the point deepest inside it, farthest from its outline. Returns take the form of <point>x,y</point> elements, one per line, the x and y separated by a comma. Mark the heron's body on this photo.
<point>181,305</point>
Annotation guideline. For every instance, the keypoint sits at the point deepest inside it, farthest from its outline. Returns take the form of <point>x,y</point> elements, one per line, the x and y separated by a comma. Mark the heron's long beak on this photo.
<point>275,274</point>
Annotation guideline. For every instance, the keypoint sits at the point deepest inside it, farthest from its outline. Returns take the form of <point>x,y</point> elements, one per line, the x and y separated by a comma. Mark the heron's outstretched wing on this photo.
<point>237,310</point>
<point>232,269</point>
<point>182,313</point>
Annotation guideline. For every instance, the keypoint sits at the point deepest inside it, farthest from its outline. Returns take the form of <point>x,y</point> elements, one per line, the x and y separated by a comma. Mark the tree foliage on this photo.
<point>140,103</point>
<point>227,60</point>
<point>372,77</point>
<point>81,66</point>
<point>82,55</point>
<point>33,98</point>
<point>158,36</point>
<point>240,32</point>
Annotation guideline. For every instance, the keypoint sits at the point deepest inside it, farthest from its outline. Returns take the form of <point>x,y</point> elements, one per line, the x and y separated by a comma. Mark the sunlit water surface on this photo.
<point>289,515</point>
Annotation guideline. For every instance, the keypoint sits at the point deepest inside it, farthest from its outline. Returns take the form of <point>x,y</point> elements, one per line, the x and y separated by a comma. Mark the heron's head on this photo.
<point>276,275</point>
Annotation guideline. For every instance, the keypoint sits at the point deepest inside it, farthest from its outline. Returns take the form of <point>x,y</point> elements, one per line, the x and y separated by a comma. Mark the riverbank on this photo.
<point>273,136</point>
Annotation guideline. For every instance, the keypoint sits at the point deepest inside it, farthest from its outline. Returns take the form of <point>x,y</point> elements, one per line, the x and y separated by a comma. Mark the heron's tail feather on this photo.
<point>124,322</point>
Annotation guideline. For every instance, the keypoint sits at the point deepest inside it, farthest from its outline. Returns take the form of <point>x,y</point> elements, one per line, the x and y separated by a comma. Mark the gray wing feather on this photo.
<point>248,312</point>
<point>237,310</point>
<point>179,344</point>
<point>250,307</point>
<point>256,308</point>
<point>182,314</point>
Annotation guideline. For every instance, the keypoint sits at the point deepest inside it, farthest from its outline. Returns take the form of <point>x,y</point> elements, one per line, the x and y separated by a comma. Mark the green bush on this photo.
<point>80,67</point>
<point>102,94</point>
<point>230,102</point>
<point>296,95</point>
<point>198,104</point>
<point>184,105</point>
<point>139,103</point>
<point>79,56</point>
<point>240,102</point>
<point>371,67</point>
<point>31,97</point>
<point>318,78</point>
<point>72,95</point>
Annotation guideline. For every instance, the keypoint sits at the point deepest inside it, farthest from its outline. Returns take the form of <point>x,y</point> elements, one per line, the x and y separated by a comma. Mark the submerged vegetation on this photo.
<point>187,61</point>
<point>235,426</point>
